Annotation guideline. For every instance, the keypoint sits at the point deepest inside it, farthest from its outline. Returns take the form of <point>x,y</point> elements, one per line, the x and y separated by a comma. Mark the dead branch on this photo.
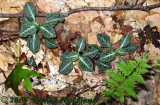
<point>113,8</point>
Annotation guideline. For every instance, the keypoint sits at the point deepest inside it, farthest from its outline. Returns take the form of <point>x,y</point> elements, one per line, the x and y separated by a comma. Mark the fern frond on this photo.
<point>116,76</point>
<point>123,82</point>
<point>120,93</point>
<point>138,78</point>
<point>125,69</point>
<point>112,84</point>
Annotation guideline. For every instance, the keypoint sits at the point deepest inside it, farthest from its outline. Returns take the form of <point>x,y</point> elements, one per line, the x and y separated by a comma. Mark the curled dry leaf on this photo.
<point>15,48</point>
<point>6,58</point>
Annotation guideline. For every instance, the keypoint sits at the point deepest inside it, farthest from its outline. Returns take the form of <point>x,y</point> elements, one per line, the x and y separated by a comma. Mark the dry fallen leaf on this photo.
<point>52,5</point>
<point>152,20</point>
<point>89,94</point>
<point>11,7</point>
<point>6,58</point>
<point>92,79</point>
<point>154,53</point>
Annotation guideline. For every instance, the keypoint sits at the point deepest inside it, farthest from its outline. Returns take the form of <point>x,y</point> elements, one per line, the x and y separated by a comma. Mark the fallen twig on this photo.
<point>113,8</point>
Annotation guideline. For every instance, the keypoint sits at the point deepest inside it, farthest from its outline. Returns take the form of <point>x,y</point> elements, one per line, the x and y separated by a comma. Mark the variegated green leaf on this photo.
<point>124,41</point>
<point>99,53</point>
<point>47,31</point>
<point>33,42</point>
<point>70,56</point>
<point>104,40</point>
<point>103,65</point>
<point>130,48</point>
<point>92,51</point>
<point>30,10</point>
<point>65,67</point>
<point>81,44</point>
<point>85,64</point>
<point>121,51</point>
<point>54,18</point>
<point>31,61</point>
<point>50,43</point>
<point>37,24</point>
<point>26,20</point>
<point>27,29</point>
<point>107,56</point>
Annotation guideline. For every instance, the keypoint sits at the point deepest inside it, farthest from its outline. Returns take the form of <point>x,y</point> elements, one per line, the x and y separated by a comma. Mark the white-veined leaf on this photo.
<point>130,48</point>
<point>31,61</point>
<point>85,64</point>
<point>124,41</point>
<point>50,43</point>
<point>27,29</point>
<point>30,10</point>
<point>81,44</point>
<point>104,40</point>
<point>33,42</point>
<point>36,23</point>
<point>65,67</point>
<point>47,31</point>
<point>92,51</point>
<point>107,56</point>
<point>121,51</point>
<point>103,66</point>
<point>26,20</point>
<point>54,18</point>
<point>70,56</point>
